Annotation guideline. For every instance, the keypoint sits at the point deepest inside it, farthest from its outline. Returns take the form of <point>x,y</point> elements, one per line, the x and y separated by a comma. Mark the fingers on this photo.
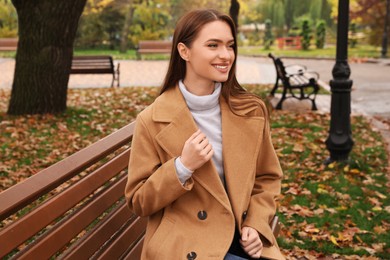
<point>200,141</point>
<point>197,151</point>
<point>251,242</point>
<point>245,234</point>
<point>194,135</point>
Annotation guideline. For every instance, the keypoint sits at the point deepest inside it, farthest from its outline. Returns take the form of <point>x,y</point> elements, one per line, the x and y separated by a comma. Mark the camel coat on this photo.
<point>197,220</point>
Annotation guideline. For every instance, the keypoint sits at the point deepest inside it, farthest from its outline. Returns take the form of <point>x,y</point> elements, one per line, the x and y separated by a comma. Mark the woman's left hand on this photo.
<point>251,243</point>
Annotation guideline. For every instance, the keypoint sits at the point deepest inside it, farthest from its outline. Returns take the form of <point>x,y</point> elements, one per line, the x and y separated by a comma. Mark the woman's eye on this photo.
<point>231,46</point>
<point>213,45</point>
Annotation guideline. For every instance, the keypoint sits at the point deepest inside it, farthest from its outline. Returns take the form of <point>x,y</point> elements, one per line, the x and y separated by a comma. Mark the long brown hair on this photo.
<point>187,29</point>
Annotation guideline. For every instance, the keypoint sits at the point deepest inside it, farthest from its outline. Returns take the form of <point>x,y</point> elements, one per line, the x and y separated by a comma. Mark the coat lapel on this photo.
<point>172,109</point>
<point>241,137</point>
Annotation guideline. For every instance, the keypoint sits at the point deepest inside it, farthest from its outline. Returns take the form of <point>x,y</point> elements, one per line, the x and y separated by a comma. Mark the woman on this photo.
<point>202,167</point>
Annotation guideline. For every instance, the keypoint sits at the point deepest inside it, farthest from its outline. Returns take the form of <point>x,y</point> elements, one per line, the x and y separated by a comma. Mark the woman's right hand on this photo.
<point>197,151</point>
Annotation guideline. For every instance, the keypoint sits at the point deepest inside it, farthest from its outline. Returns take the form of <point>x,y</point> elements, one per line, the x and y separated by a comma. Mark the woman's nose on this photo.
<point>225,53</point>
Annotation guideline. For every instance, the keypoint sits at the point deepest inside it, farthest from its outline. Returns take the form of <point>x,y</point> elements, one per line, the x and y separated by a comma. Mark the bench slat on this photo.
<point>150,46</point>
<point>93,240</point>
<point>8,44</point>
<point>46,213</point>
<point>125,240</point>
<point>64,231</point>
<point>92,57</point>
<point>22,194</point>
<point>90,71</point>
<point>135,252</point>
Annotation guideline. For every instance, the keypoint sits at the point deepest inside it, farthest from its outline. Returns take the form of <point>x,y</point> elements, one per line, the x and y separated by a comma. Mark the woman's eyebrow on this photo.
<point>219,40</point>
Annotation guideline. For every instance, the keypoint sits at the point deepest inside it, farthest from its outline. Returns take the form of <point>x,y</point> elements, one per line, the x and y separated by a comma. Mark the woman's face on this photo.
<point>211,55</point>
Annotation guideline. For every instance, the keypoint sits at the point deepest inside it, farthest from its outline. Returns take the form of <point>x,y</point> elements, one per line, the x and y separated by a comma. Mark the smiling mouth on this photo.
<point>221,67</point>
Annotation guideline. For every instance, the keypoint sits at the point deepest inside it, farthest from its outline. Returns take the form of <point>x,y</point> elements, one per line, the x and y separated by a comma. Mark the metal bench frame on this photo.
<point>297,82</point>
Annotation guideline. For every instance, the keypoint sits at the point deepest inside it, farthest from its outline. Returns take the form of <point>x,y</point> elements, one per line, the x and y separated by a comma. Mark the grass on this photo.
<point>360,52</point>
<point>340,210</point>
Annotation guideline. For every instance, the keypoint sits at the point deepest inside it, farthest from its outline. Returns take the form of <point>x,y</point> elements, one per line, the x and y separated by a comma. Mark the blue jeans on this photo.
<point>233,257</point>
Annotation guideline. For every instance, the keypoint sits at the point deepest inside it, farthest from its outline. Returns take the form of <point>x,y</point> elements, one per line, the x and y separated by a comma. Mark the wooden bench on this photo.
<point>289,43</point>
<point>75,209</point>
<point>95,65</point>
<point>8,44</point>
<point>297,82</point>
<point>153,47</point>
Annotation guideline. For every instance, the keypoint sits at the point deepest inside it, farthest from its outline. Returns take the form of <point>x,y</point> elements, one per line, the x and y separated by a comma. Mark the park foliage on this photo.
<point>107,23</point>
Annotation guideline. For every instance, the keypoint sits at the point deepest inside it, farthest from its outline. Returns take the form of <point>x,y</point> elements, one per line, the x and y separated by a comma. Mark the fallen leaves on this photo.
<point>339,211</point>
<point>31,143</point>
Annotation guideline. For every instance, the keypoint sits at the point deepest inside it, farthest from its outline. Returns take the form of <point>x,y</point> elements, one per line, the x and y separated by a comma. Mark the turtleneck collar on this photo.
<point>201,103</point>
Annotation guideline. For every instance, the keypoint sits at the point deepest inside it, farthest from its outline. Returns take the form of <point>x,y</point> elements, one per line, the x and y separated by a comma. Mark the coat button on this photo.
<point>191,256</point>
<point>244,215</point>
<point>202,215</point>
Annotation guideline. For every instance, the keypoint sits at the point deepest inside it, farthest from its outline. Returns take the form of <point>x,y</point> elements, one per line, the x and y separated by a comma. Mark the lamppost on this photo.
<point>385,30</point>
<point>339,142</point>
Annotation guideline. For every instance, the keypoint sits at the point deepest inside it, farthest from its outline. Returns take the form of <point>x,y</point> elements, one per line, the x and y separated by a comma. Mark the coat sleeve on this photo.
<point>267,187</point>
<point>151,184</point>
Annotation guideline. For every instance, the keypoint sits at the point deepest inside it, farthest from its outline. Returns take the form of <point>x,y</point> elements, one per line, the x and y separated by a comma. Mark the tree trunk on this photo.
<point>47,29</point>
<point>234,11</point>
<point>126,26</point>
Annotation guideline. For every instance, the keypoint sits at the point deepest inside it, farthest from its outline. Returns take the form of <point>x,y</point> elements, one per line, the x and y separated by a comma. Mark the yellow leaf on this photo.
<point>331,165</point>
<point>334,241</point>
<point>354,171</point>
<point>341,208</point>
<point>346,168</point>
<point>377,208</point>
<point>322,191</point>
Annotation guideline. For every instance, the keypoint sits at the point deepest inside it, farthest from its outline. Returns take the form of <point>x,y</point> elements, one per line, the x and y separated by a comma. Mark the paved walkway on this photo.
<point>370,93</point>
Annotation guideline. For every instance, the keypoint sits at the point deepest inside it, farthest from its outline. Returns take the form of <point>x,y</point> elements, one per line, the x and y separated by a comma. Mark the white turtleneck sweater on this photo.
<point>207,115</point>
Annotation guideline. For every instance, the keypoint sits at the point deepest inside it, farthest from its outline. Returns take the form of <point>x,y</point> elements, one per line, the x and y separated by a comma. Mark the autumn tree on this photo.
<point>8,20</point>
<point>370,14</point>
<point>47,29</point>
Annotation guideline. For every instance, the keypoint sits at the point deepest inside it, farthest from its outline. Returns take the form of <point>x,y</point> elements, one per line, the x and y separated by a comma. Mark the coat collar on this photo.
<point>240,143</point>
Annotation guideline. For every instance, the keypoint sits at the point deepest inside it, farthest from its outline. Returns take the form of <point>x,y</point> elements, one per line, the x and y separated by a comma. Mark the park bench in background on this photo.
<point>75,209</point>
<point>8,44</point>
<point>95,65</point>
<point>297,82</point>
<point>289,43</point>
<point>153,47</point>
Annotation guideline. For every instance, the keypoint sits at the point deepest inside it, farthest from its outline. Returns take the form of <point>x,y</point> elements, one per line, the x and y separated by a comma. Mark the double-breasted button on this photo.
<point>202,215</point>
<point>244,215</point>
<point>191,256</point>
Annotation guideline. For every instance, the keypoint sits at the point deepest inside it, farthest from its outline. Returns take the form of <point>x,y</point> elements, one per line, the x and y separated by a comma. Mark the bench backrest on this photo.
<point>8,44</point>
<point>280,69</point>
<point>92,64</point>
<point>75,208</point>
<point>155,45</point>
